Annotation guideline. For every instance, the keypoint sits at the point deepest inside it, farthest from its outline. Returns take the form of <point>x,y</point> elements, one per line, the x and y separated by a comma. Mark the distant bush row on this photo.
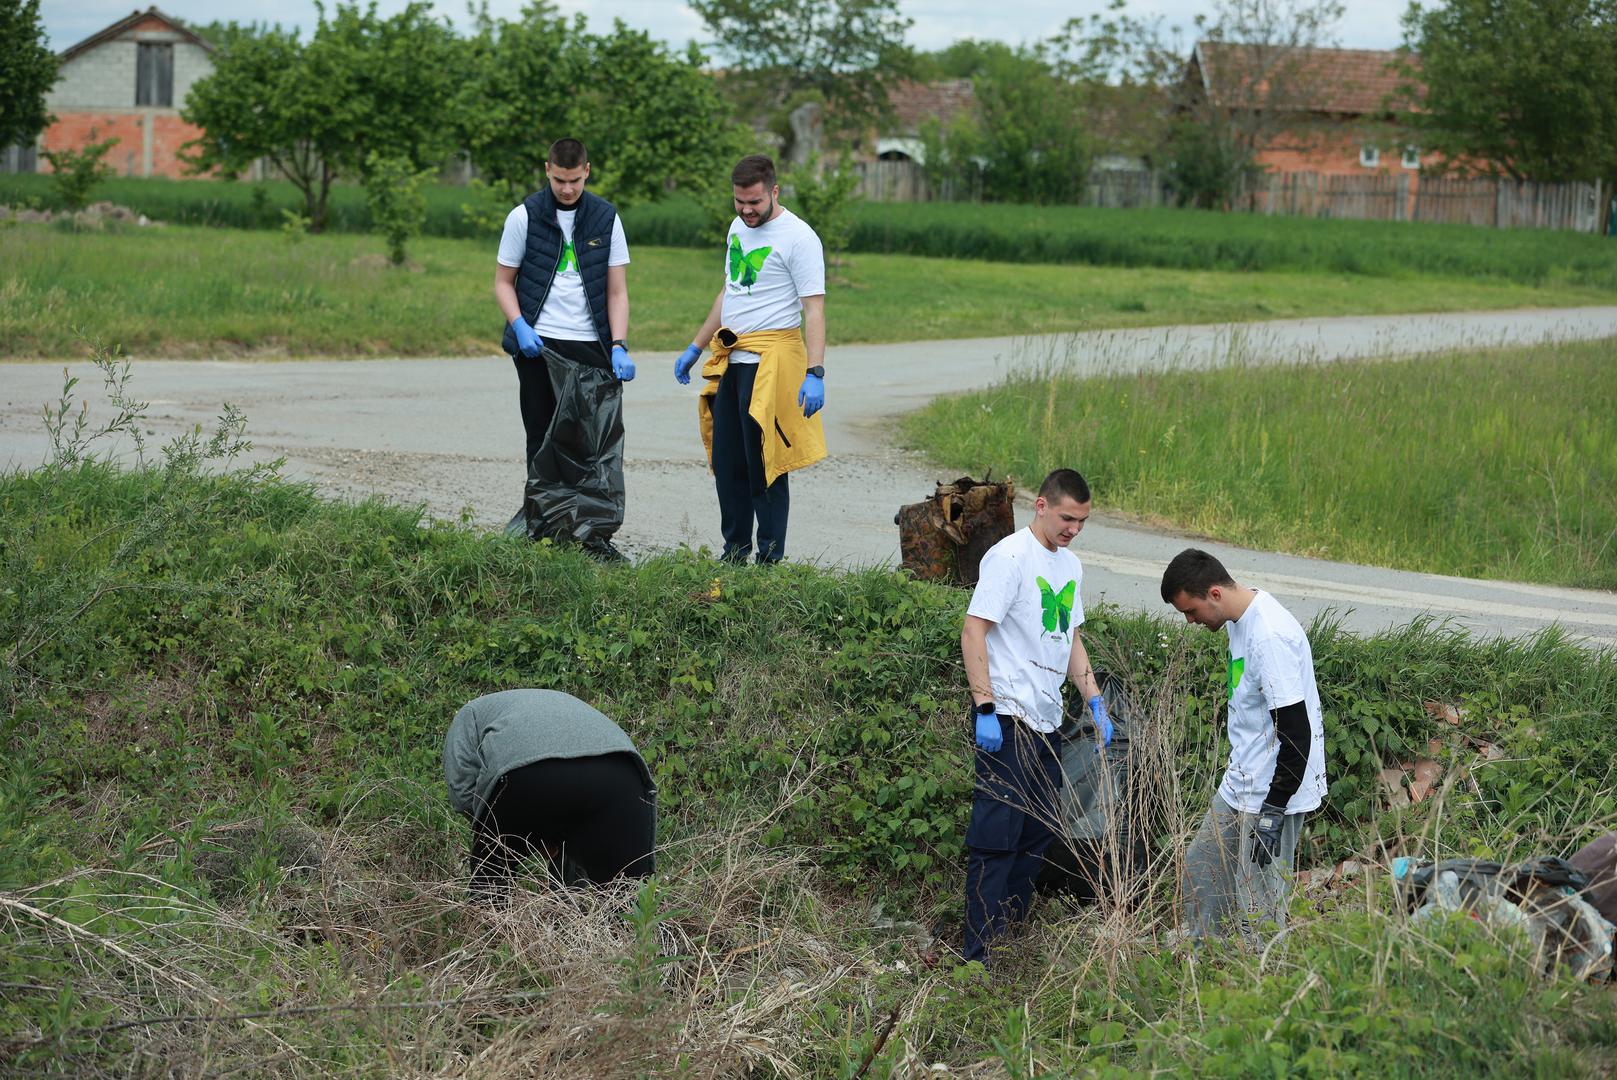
<point>1175,239</point>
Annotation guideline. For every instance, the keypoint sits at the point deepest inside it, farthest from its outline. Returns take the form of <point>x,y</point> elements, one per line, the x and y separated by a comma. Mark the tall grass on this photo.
<point>1027,235</point>
<point>1194,239</point>
<point>1499,464</point>
<point>189,291</point>
<point>225,848</point>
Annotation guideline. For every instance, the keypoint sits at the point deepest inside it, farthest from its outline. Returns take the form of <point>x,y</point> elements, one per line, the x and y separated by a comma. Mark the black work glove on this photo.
<point>1266,834</point>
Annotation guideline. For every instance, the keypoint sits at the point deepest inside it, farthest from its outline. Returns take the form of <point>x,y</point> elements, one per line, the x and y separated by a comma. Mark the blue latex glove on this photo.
<point>989,735</point>
<point>1103,719</point>
<point>529,343</point>
<point>812,396</point>
<point>622,366</point>
<point>686,361</point>
<point>1266,834</point>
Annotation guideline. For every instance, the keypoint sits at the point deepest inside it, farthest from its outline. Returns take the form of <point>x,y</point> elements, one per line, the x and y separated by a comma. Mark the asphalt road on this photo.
<point>446,433</point>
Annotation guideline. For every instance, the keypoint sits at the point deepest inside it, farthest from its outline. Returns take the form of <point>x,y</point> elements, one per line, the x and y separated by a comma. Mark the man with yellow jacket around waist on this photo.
<point>765,382</point>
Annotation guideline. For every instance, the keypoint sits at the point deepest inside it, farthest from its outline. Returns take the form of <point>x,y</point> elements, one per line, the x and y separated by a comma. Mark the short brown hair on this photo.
<point>1193,572</point>
<point>568,154</point>
<point>1065,484</point>
<point>753,169</point>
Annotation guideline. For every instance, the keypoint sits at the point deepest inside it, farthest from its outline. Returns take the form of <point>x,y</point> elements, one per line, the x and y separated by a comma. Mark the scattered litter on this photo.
<point>1540,898</point>
<point>96,214</point>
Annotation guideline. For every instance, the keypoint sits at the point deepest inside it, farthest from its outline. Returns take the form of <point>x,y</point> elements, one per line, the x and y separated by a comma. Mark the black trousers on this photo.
<point>535,395</point>
<point>1015,810</point>
<point>738,473</point>
<point>592,818</point>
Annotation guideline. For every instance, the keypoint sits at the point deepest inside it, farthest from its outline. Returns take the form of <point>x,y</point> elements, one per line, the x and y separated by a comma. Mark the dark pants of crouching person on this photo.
<point>1014,809</point>
<point>592,818</point>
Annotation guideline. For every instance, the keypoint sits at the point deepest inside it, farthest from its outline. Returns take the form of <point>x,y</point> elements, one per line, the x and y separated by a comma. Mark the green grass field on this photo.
<point>1172,239</point>
<point>1495,464</point>
<point>188,291</point>
<point>225,847</point>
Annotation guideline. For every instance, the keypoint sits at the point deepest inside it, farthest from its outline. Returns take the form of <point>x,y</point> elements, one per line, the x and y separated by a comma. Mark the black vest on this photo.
<point>592,246</point>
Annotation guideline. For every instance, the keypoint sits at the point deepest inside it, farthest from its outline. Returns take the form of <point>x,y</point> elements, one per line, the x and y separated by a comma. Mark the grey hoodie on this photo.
<point>496,733</point>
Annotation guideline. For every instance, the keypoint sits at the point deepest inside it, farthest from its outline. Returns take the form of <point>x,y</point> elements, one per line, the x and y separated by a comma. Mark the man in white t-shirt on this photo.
<point>561,281</point>
<point>765,383</point>
<point>1238,868</point>
<point>1020,642</point>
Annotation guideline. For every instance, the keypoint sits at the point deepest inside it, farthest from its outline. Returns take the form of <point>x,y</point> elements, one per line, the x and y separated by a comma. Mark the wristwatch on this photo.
<point>818,371</point>
<point>986,708</point>
<point>619,342</point>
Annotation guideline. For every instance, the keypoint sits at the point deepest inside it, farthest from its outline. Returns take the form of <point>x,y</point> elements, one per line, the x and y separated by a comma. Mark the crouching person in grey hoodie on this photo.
<point>540,772</point>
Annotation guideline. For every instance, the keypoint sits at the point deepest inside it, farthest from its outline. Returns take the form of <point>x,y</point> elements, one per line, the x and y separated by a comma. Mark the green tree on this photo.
<point>1026,142</point>
<point>519,93</point>
<point>656,122</point>
<point>1520,88</point>
<point>318,110</point>
<point>652,120</point>
<point>849,52</point>
<point>27,72</point>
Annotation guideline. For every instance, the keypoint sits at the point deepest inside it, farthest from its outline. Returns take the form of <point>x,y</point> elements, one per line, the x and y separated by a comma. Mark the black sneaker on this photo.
<point>603,551</point>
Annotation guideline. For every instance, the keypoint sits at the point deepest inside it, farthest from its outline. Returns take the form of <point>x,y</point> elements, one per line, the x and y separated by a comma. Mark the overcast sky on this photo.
<point>1369,24</point>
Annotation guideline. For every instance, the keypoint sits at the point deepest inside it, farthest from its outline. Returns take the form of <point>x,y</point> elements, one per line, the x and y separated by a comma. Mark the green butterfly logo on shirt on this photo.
<point>1057,605</point>
<point>568,260</point>
<point>1237,669</point>
<point>745,266</point>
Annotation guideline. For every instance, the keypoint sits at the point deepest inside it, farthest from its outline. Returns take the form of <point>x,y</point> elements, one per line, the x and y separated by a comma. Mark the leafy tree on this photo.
<point>520,93</point>
<point>652,119</point>
<point>1026,142</point>
<point>1522,88</point>
<point>850,52</point>
<point>318,110</point>
<point>27,72</point>
<point>75,173</point>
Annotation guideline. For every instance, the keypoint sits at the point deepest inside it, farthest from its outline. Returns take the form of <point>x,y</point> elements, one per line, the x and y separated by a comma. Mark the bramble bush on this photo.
<point>206,669</point>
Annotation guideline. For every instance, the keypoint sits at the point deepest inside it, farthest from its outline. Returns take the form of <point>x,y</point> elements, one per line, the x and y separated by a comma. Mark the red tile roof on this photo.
<point>1344,81</point>
<point>914,103</point>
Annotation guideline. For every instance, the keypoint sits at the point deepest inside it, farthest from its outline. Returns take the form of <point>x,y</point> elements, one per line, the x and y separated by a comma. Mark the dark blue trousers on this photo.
<point>1015,811</point>
<point>738,473</point>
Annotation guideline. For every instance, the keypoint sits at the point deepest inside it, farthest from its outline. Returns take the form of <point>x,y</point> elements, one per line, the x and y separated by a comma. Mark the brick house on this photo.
<point>129,82</point>
<point>1338,116</point>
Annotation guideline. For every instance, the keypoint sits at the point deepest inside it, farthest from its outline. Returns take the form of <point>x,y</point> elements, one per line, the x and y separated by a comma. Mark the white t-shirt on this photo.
<point>1271,665</point>
<point>767,272</point>
<point>1031,595</point>
<point>566,314</point>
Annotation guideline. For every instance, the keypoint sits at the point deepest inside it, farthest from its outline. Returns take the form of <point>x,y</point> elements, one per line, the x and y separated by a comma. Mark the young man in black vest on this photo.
<point>561,281</point>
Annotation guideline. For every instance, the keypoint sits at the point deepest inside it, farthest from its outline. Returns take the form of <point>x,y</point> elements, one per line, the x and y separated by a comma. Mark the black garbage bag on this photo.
<point>574,492</point>
<point>1100,850</point>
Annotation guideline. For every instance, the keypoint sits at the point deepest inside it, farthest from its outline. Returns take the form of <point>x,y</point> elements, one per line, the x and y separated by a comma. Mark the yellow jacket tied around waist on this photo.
<point>790,440</point>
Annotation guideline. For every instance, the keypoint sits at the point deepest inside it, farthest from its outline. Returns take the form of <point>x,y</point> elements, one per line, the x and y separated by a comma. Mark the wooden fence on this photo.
<point>1485,201</point>
<point>1506,204</point>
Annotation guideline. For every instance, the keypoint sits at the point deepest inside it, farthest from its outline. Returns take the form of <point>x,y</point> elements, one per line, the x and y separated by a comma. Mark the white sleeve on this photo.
<point>619,255</point>
<point>1078,596</point>
<point>996,588</point>
<point>514,240</point>
<point>808,264</point>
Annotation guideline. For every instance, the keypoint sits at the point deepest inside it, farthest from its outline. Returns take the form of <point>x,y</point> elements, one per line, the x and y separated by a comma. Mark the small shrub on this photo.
<point>393,188</point>
<point>76,173</point>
